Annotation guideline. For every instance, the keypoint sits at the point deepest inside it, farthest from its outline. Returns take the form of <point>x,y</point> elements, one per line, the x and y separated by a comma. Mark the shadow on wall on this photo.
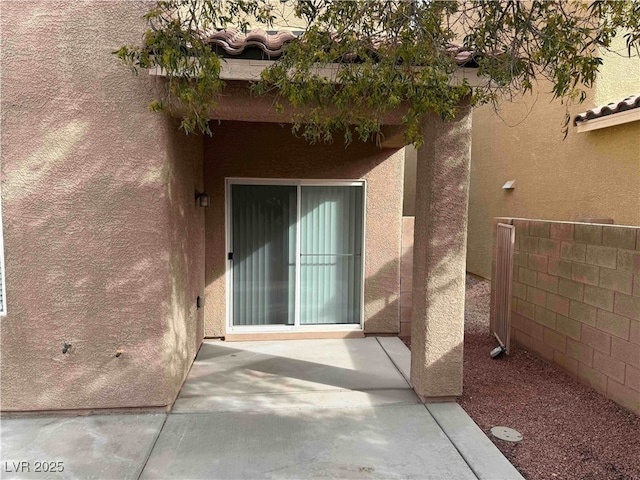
<point>184,328</point>
<point>381,303</point>
<point>438,284</point>
<point>92,239</point>
<point>85,257</point>
<point>251,150</point>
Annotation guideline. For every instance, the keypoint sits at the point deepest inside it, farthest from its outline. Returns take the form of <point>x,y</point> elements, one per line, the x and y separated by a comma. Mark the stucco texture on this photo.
<point>619,75</point>
<point>410,166</point>
<point>440,229</point>
<point>269,150</point>
<point>103,237</point>
<point>587,175</point>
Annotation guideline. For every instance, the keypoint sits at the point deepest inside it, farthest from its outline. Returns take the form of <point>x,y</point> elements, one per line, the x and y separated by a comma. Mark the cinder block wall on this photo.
<point>576,301</point>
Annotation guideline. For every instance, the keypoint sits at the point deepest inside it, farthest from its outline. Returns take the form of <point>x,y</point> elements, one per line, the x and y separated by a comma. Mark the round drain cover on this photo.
<point>507,434</point>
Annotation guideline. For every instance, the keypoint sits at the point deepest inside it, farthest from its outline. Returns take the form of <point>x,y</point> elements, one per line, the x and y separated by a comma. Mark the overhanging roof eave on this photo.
<point>250,70</point>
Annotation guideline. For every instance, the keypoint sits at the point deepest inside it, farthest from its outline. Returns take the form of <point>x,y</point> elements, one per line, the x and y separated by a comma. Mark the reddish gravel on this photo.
<point>570,431</point>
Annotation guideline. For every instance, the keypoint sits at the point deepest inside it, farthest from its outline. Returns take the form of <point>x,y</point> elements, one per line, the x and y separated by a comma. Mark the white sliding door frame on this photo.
<point>296,327</point>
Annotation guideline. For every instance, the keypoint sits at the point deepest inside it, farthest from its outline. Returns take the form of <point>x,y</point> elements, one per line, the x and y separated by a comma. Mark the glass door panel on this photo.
<point>263,219</point>
<point>331,231</point>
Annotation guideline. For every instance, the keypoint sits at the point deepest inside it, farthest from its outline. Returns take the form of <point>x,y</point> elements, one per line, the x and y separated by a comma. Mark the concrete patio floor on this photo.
<point>286,409</point>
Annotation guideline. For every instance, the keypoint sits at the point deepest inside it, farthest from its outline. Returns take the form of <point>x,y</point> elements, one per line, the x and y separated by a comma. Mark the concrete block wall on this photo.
<point>576,301</point>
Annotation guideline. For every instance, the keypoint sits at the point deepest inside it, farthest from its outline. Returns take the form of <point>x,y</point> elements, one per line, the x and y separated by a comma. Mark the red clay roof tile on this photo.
<point>615,107</point>
<point>236,43</point>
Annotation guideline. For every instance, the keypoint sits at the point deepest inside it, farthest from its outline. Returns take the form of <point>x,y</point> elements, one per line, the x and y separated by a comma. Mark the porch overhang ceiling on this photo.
<point>246,55</point>
<point>237,103</point>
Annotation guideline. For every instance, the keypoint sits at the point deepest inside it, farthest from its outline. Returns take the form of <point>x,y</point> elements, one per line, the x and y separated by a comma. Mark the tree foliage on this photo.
<point>391,53</point>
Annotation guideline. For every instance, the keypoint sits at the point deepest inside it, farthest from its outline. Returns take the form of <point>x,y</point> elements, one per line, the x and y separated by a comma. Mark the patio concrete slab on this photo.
<point>486,461</point>
<point>294,409</point>
<point>294,374</point>
<point>398,441</point>
<point>105,446</point>
<point>293,401</point>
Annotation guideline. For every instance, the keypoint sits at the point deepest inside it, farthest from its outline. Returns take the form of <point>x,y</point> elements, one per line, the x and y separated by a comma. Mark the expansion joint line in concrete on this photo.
<point>452,443</point>
<point>408,380</point>
<point>153,445</point>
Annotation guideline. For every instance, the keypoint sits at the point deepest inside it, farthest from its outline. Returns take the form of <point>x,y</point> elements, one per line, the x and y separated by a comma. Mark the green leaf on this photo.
<point>390,54</point>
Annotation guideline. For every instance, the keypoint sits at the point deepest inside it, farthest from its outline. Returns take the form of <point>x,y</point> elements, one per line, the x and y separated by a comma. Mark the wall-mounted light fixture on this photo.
<point>202,199</point>
<point>510,185</point>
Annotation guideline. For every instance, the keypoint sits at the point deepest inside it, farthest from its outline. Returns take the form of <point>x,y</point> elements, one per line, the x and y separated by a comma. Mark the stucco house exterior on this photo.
<point>590,174</point>
<point>115,269</point>
<point>574,205</point>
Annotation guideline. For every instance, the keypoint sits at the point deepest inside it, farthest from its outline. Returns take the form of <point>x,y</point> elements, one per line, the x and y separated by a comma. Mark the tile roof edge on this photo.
<point>612,108</point>
<point>235,42</point>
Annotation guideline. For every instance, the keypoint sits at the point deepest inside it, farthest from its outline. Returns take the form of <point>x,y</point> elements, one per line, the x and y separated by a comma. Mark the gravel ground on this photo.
<point>570,431</point>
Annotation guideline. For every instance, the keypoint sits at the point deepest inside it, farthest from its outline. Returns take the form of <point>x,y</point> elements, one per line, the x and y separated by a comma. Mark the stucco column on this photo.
<point>442,191</point>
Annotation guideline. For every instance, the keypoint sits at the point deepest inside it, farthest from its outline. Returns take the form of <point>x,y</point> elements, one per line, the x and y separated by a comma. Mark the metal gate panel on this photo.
<point>505,245</point>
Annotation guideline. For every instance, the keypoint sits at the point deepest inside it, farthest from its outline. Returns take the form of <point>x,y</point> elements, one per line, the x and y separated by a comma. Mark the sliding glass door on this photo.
<point>295,255</point>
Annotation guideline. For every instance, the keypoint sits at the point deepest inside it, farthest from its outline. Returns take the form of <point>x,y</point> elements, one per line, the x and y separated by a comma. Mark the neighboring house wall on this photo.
<point>576,302</point>
<point>103,238</point>
<point>268,150</point>
<point>588,175</point>
<point>619,75</point>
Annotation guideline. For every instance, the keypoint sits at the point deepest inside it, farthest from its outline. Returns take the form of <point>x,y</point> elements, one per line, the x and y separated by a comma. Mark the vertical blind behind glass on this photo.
<point>264,248</point>
<point>264,238</point>
<point>331,229</point>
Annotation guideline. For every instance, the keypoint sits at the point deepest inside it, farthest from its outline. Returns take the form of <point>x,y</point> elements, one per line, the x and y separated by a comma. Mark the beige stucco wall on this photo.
<point>440,237</point>
<point>256,150</point>
<point>103,240</point>
<point>619,76</point>
<point>587,175</point>
<point>410,167</point>
<point>283,18</point>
